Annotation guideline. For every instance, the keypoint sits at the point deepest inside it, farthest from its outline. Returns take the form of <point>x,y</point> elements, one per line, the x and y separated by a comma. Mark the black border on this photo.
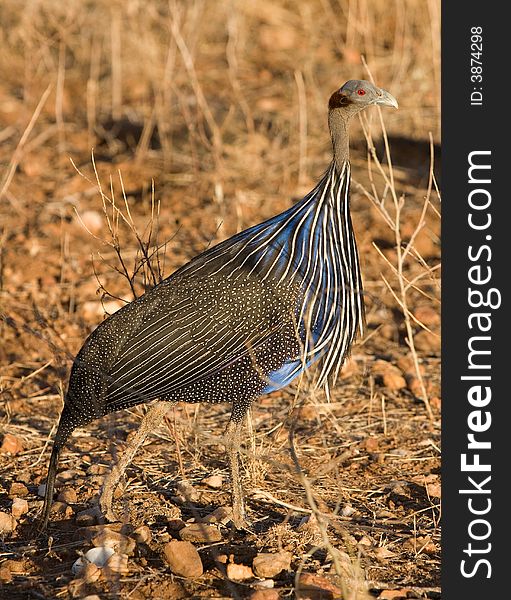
<point>466,128</point>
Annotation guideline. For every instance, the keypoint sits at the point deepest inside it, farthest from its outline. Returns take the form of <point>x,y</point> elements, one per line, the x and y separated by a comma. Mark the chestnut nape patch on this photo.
<point>338,99</point>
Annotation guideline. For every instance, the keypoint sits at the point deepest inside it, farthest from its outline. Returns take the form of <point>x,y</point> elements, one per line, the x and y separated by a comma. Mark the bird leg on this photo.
<point>232,441</point>
<point>150,421</point>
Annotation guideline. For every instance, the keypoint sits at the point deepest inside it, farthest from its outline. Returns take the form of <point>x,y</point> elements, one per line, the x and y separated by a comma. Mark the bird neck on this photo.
<point>339,125</point>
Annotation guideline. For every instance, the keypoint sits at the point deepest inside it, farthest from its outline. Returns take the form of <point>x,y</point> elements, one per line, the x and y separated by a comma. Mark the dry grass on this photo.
<point>206,118</point>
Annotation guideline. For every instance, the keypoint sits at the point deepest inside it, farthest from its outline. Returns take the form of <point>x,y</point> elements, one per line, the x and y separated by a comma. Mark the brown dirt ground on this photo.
<point>369,454</point>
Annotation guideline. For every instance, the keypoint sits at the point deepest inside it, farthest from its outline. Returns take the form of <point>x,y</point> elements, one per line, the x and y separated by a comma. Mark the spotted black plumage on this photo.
<point>242,319</point>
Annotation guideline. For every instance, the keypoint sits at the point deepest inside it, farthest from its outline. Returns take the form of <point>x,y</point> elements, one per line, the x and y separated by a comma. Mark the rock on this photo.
<point>434,489</point>
<point>350,367</point>
<point>183,559</point>
<point>269,565</point>
<point>142,534</point>
<point>17,567</point>
<point>265,595</point>
<point>316,587</point>
<point>11,445</point>
<point>91,220</point>
<point>389,374</point>
<point>347,510</point>
<point>394,594</point>
<point>88,517</point>
<point>427,342</point>
<point>223,559</point>
<point>407,366</point>
<point>199,532</point>
<point>175,525</point>
<point>62,509</point>
<point>427,315</point>
<point>371,444</point>
<point>239,572</point>
<point>382,554</point>
<point>351,573</point>
<point>91,531</point>
<point>307,413</point>
<point>122,544</point>
<point>18,489</point>
<point>70,474</point>
<point>90,573</point>
<point>265,584</point>
<point>214,481</point>
<point>117,564</point>
<point>76,587</point>
<point>185,492</point>
<point>394,382</point>
<point>436,403</point>
<point>7,523</point>
<point>19,507</point>
<point>68,495</point>
<point>10,568</point>
<point>96,556</point>
<point>222,514</point>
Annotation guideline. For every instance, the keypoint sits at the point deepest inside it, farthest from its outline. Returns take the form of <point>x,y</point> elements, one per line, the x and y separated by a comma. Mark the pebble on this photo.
<point>316,586</point>
<point>76,587</point>
<point>214,481</point>
<point>96,556</point>
<point>347,510</point>
<point>142,534</point>
<point>198,532</point>
<point>383,554</point>
<point>10,568</point>
<point>427,342</point>
<point>394,594</point>
<point>265,595</point>
<point>61,508</point>
<point>18,489</point>
<point>264,584</point>
<point>70,474</point>
<point>394,382</point>
<point>91,220</point>
<point>11,445</point>
<point>186,492</point>
<point>222,514</point>
<point>239,572</point>
<point>19,507</point>
<point>90,573</point>
<point>7,523</point>
<point>117,564</point>
<point>5,574</point>
<point>112,539</point>
<point>91,531</point>
<point>427,315</point>
<point>269,565</point>
<point>88,517</point>
<point>183,559</point>
<point>68,495</point>
<point>390,375</point>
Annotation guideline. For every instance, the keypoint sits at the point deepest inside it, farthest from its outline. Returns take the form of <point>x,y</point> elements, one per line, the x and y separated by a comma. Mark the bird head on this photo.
<point>357,94</point>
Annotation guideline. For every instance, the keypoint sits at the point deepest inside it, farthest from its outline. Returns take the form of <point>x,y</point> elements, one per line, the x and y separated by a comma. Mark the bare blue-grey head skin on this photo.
<point>355,95</point>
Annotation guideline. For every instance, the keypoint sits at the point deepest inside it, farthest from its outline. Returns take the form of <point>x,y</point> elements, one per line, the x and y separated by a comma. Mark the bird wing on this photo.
<point>193,329</point>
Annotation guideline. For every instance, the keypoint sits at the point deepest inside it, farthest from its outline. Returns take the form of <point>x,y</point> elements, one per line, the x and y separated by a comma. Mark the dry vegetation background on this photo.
<point>211,116</point>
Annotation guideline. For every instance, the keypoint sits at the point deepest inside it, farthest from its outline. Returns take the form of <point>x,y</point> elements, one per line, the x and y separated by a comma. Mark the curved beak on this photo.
<point>386,99</point>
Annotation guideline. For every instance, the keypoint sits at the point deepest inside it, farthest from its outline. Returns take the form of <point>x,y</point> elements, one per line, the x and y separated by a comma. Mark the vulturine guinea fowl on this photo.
<point>240,320</point>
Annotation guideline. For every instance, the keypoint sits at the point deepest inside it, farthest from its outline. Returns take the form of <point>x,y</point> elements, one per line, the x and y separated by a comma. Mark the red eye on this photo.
<point>361,92</point>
